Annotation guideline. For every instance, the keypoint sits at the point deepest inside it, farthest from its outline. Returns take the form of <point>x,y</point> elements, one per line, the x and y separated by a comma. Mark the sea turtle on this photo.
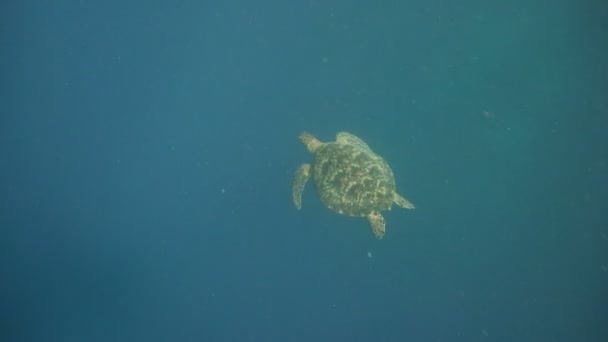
<point>350,178</point>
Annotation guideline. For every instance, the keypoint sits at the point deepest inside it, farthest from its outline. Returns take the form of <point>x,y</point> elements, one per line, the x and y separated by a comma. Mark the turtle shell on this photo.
<point>352,180</point>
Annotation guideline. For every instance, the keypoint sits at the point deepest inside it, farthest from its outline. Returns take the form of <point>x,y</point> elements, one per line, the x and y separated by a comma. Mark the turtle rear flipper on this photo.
<point>299,182</point>
<point>402,202</point>
<point>376,222</point>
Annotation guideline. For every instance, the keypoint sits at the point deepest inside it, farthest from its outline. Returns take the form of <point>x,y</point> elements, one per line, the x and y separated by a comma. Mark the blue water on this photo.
<point>147,151</point>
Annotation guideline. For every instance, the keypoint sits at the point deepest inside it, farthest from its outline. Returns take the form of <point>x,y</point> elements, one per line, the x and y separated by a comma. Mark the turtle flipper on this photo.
<point>312,143</point>
<point>402,202</point>
<point>298,184</point>
<point>376,222</point>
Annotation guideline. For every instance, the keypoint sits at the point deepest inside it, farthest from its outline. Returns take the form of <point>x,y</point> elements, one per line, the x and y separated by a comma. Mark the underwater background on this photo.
<point>147,153</point>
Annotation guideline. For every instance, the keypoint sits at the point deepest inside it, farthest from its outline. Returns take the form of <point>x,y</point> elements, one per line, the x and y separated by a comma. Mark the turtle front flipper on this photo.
<point>312,143</point>
<point>402,202</point>
<point>298,184</point>
<point>376,222</point>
